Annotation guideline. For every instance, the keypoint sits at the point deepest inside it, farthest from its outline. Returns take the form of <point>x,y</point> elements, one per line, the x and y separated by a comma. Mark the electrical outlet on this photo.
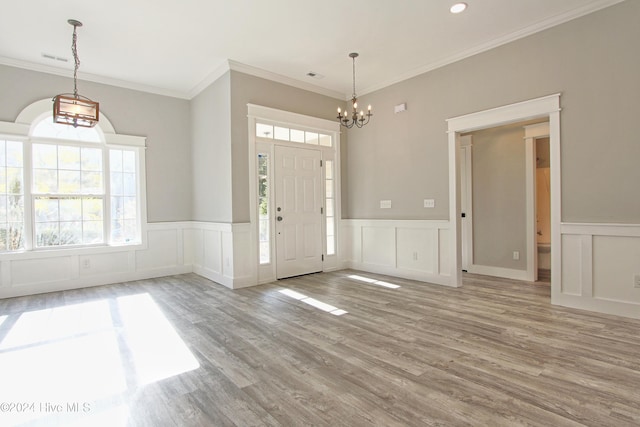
<point>636,281</point>
<point>516,255</point>
<point>415,256</point>
<point>429,203</point>
<point>385,204</point>
<point>86,263</point>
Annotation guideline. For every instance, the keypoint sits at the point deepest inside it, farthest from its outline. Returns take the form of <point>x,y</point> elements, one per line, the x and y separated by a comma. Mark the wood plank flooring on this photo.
<point>343,349</point>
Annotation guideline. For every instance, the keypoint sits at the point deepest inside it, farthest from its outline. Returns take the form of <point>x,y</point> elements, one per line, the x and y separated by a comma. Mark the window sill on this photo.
<point>59,252</point>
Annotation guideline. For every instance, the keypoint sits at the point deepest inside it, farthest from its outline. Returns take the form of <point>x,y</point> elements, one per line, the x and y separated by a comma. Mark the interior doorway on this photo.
<point>545,108</point>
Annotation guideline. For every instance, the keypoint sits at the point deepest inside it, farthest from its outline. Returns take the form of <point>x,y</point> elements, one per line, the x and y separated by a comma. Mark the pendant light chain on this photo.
<point>74,50</point>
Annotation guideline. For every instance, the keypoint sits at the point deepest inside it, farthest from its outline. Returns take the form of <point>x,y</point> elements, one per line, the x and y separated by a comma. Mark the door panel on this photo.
<point>298,201</point>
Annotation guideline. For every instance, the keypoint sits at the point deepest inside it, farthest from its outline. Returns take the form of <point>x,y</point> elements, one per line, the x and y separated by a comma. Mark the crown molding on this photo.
<point>279,78</point>
<point>95,78</point>
<point>483,47</point>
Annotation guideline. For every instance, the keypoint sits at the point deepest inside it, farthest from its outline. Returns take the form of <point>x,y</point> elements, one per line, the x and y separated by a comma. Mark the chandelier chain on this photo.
<point>74,50</point>
<point>354,77</point>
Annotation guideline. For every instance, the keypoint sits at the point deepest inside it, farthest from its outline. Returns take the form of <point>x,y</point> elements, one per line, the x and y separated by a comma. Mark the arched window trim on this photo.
<point>21,130</point>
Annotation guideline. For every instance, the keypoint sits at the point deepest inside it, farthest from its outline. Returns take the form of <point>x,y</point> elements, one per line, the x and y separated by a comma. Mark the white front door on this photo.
<point>298,203</point>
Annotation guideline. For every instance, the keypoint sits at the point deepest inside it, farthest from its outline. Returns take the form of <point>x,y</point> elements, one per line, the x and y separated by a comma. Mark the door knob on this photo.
<point>279,218</point>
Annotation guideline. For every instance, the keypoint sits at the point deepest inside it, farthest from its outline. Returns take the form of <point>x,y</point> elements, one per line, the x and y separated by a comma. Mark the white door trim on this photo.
<point>548,106</point>
<point>267,273</point>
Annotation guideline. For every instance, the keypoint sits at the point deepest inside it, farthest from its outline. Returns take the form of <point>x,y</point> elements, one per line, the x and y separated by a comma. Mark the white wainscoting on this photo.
<point>413,249</point>
<point>217,251</point>
<point>599,265</point>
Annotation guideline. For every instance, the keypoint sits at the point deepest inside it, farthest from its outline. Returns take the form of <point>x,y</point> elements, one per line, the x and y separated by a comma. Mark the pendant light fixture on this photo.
<point>356,119</point>
<point>74,109</point>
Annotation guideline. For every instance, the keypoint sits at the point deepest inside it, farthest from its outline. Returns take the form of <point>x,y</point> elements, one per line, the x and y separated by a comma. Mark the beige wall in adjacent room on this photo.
<point>592,61</point>
<point>163,120</point>
<point>499,202</point>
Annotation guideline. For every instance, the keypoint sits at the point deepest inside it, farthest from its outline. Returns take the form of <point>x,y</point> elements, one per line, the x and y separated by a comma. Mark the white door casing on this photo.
<point>298,202</point>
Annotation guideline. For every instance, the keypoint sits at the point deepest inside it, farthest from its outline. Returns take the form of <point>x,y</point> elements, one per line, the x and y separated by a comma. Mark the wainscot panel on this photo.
<point>600,265</point>
<point>413,249</point>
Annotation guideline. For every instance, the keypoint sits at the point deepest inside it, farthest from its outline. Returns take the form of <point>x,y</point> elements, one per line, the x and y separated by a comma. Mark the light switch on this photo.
<point>385,204</point>
<point>429,203</point>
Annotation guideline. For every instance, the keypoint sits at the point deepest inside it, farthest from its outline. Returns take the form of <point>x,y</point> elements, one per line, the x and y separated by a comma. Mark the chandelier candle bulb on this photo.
<point>355,120</point>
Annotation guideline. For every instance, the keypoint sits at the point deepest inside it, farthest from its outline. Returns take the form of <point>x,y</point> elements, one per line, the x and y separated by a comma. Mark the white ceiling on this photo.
<point>177,47</point>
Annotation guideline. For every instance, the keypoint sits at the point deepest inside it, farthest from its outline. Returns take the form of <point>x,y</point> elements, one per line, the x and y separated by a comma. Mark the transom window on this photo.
<point>66,187</point>
<point>268,131</point>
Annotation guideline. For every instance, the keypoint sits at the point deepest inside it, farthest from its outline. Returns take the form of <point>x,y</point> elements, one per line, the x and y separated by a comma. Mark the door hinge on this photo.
<point>322,257</point>
<point>320,163</point>
<point>321,209</point>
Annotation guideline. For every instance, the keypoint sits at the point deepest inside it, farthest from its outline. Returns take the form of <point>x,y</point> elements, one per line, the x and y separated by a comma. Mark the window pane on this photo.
<point>325,140</point>
<point>330,226</point>
<point>47,234</point>
<point>13,184</point>
<point>45,156</point>
<point>70,209</point>
<point>311,138</point>
<point>328,169</point>
<point>45,181</point>
<point>92,232</point>
<point>130,209</point>
<point>281,133</point>
<point>92,183</point>
<point>69,157</point>
<point>264,131</point>
<point>69,182</point>
<point>117,184</point>
<point>331,245</point>
<point>129,184</point>
<point>13,154</point>
<point>265,254</point>
<point>115,160</point>
<point>70,233</point>
<point>329,203</point>
<point>91,159</point>
<point>92,210</point>
<point>297,135</point>
<point>128,161</point>
<point>329,188</point>
<point>46,209</point>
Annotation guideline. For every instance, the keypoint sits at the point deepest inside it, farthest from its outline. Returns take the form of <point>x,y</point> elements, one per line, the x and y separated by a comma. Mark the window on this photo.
<point>268,131</point>
<point>330,207</point>
<point>11,196</point>
<point>263,208</point>
<point>80,191</point>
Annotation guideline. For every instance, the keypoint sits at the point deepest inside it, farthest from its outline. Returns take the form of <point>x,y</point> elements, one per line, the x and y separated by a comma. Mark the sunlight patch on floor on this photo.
<point>373,281</point>
<point>313,302</point>
<point>81,358</point>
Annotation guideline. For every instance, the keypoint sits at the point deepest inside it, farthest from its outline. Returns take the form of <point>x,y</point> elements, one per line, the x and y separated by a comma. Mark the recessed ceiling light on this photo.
<point>458,7</point>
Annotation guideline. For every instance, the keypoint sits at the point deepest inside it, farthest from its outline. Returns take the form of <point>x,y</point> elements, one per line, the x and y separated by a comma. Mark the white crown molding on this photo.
<point>32,66</point>
<point>214,75</point>
<point>220,70</point>
<point>279,78</point>
<point>483,47</point>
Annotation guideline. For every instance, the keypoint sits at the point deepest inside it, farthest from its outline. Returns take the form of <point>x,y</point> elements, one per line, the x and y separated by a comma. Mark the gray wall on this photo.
<point>499,197</point>
<point>211,152</point>
<point>246,89</point>
<point>592,61</point>
<point>163,120</point>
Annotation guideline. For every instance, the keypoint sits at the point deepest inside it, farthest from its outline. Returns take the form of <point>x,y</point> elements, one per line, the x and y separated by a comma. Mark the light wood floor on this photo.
<point>492,353</point>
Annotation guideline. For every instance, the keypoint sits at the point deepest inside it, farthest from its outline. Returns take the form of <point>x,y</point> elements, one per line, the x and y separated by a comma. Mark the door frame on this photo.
<point>265,273</point>
<point>544,107</point>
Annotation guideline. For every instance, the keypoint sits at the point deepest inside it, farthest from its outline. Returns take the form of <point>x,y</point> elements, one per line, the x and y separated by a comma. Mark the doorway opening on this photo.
<point>540,109</point>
